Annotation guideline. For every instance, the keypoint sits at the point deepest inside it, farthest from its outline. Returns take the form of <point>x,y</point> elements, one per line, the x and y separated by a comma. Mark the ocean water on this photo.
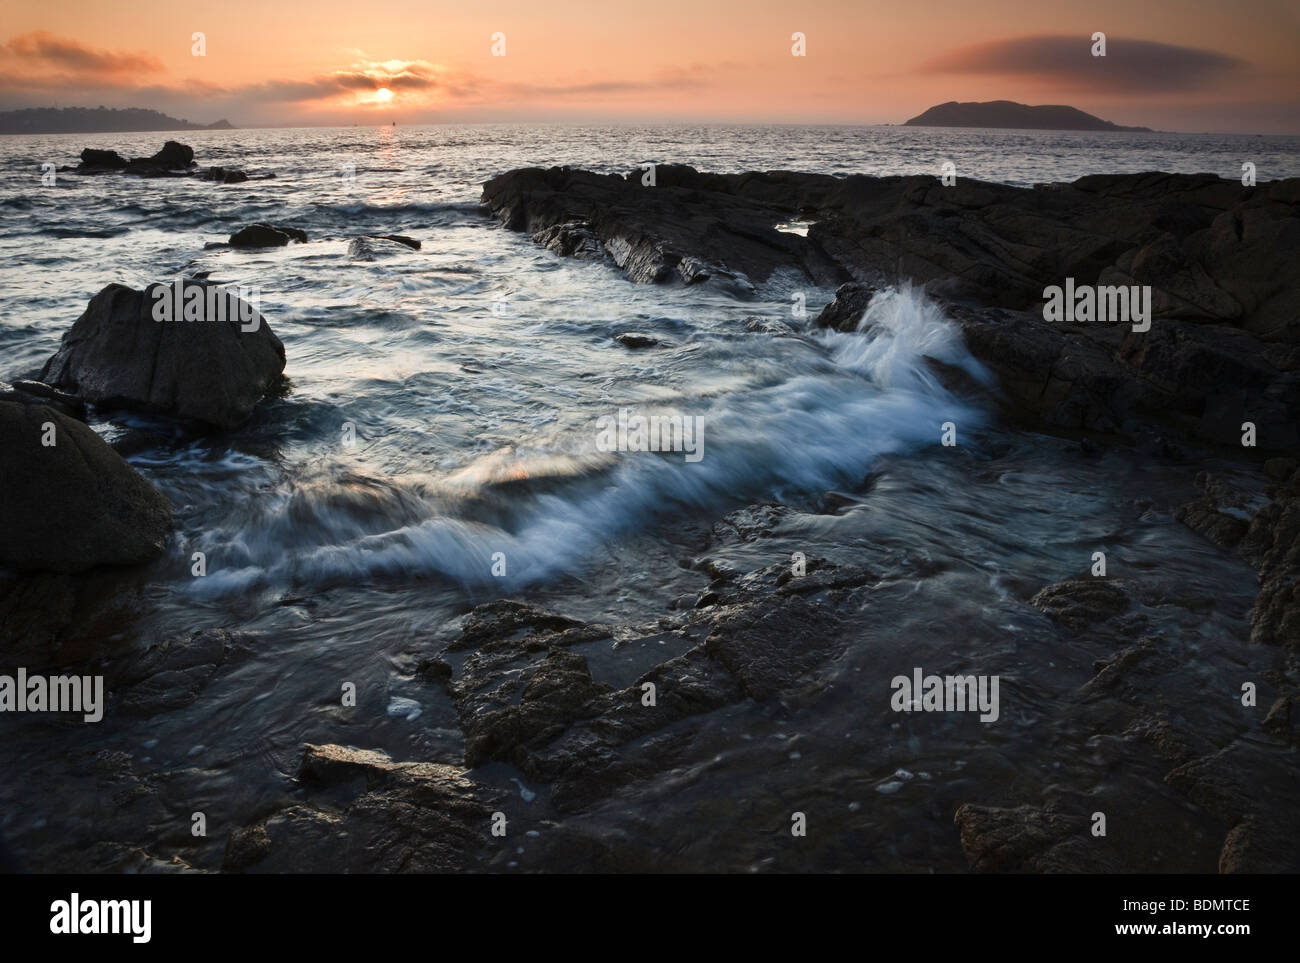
<point>473,373</point>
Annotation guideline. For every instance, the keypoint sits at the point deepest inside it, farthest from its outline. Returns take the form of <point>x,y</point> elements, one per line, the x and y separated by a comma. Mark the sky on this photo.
<point>1191,65</point>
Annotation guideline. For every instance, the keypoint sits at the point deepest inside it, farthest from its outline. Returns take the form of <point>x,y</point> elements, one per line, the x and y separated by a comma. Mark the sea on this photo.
<point>436,447</point>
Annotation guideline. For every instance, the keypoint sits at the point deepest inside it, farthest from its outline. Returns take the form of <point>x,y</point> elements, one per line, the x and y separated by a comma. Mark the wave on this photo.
<point>550,511</point>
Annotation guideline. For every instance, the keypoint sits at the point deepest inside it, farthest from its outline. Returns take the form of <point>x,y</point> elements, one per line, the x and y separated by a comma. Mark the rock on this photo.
<point>410,242</point>
<point>376,816</point>
<point>1220,516</point>
<point>1280,469</point>
<point>39,393</point>
<point>75,504</point>
<point>1210,248</point>
<point>1272,544</point>
<point>224,175</point>
<point>633,340</point>
<point>525,697</point>
<point>207,370</point>
<point>369,247</point>
<point>1253,790</point>
<point>1224,347</point>
<point>1029,839</point>
<point>845,312</point>
<point>101,160</point>
<point>571,239</point>
<point>264,235</point>
<point>691,227</point>
<point>1080,603</point>
<point>758,325</point>
<point>173,156</point>
<point>171,674</point>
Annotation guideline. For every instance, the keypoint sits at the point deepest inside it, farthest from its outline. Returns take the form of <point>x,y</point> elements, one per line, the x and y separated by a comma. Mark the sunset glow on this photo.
<point>1172,64</point>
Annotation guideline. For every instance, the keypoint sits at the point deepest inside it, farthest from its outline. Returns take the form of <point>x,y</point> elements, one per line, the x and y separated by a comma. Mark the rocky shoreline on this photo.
<point>1223,349</point>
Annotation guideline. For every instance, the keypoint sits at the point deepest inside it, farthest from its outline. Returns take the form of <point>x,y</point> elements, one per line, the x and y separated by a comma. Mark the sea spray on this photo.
<point>548,512</point>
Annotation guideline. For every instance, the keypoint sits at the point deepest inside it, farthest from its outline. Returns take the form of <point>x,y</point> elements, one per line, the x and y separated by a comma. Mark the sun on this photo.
<point>383,95</point>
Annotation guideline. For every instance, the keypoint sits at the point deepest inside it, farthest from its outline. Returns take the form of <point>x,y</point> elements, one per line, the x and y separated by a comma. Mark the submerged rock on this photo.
<point>224,175</point>
<point>634,340</point>
<point>101,160</point>
<point>1079,603</point>
<point>171,674</point>
<point>264,235</point>
<point>173,156</point>
<point>369,247</point>
<point>72,504</point>
<point>213,370</point>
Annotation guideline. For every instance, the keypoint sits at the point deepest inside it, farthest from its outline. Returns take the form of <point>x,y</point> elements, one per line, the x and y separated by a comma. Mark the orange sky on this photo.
<point>1171,64</point>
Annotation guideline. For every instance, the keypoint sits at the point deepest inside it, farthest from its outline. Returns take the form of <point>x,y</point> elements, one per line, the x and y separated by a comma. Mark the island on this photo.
<point>1009,114</point>
<point>94,120</point>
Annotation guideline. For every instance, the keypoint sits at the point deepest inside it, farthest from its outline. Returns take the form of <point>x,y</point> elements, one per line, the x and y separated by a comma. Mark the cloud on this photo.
<point>1130,66</point>
<point>44,48</point>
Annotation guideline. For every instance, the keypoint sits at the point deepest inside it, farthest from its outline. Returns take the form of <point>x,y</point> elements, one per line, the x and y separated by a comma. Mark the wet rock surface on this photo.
<point>1224,347</point>
<point>266,235</point>
<point>72,504</point>
<point>1212,249</point>
<point>369,811</point>
<point>173,673</point>
<point>212,370</point>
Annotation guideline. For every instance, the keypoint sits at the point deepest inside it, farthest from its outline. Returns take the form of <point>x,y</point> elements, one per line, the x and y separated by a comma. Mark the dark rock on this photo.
<point>1029,839</point>
<point>173,156</point>
<point>1080,603</point>
<point>171,674</point>
<point>845,312</point>
<point>1224,347</point>
<point>370,247</point>
<point>1220,516</point>
<point>1272,543</point>
<point>635,340</point>
<point>524,697</point>
<point>224,175</point>
<point>208,370</point>
<point>1253,790</point>
<point>102,160</point>
<point>264,235</point>
<point>410,242</point>
<point>39,393</point>
<point>73,505</point>
<point>692,227</point>
<point>1280,469</point>
<point>757,325</point>
<point>376,816</point>
<point>1210,248</point>
<point>571,239</point>
<point>509,618</point>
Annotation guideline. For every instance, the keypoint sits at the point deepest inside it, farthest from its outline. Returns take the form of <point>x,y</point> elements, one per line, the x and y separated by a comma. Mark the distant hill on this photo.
<point>93,120</point>
<point>1007,113</point>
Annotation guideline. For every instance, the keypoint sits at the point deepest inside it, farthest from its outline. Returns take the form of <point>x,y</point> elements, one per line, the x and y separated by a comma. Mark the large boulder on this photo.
<point>212,370</point>
<point>106,160</point>
<point>173,156</point>
<point>71,503</point>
